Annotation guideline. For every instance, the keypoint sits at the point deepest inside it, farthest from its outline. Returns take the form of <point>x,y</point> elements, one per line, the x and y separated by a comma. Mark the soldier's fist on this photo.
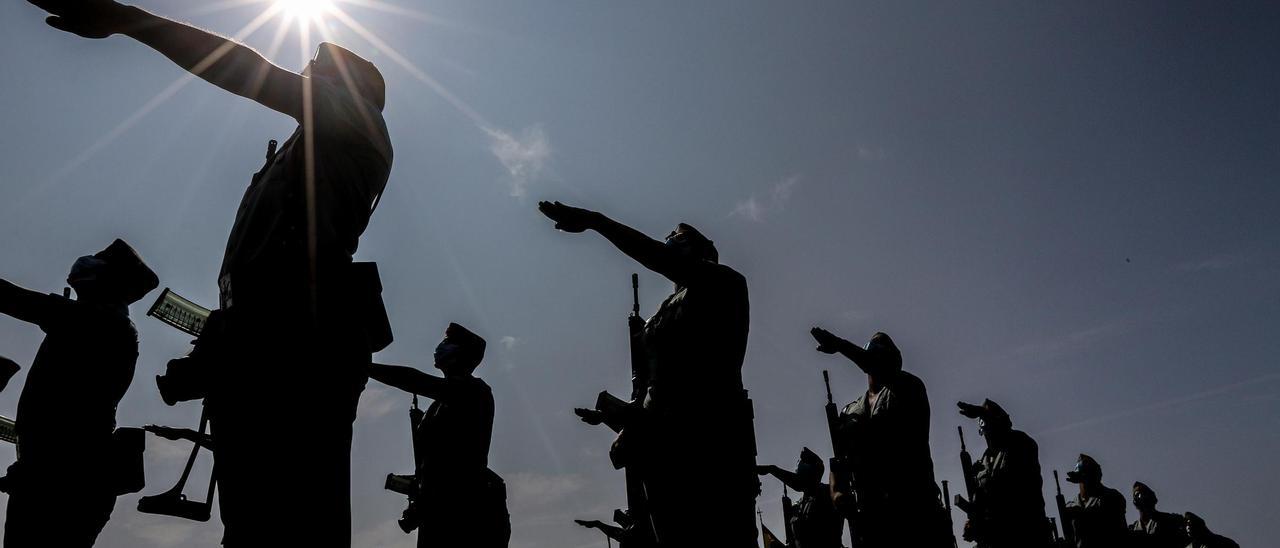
<point>827,342</point>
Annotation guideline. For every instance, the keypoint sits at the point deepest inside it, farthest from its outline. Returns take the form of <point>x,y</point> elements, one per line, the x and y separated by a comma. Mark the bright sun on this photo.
<point>305,10</point>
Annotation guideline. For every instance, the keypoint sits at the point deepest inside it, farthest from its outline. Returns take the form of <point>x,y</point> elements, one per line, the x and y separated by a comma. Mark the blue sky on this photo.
<point>1066,207</point>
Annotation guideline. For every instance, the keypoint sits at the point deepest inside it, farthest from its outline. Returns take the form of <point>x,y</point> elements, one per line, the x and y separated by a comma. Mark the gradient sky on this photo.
<point>1070,208</point>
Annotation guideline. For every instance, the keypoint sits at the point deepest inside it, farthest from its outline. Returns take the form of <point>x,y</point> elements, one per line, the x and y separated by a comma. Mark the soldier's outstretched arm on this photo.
<point>410,380</point>
<point>647,251</point>
<point>29,306</point>
<point>785,476</point>
<point>829,343</point>
<point>221,61</point>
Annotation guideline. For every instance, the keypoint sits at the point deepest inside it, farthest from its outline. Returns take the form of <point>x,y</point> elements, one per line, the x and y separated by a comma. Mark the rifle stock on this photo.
<point>787,510</point>
<point>966,467</point>
<point>637,498</point>
<point>1068,527</point>
<point>841,473</point>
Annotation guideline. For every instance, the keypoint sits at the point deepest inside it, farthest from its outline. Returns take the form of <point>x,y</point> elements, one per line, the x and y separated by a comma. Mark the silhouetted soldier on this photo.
<point>1098,513</point>
<point>695,403</point>
<point>1154,529</point>
<point>290,300</point>
<point>898,501</point>
<point>814,520</point>
<point>63,486</point>
<point>1201,537</point>
<point>1007,509</point>
<point>461,502</point>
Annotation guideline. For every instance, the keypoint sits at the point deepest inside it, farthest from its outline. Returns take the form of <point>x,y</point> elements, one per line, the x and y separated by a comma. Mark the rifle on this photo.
<point>644,533</point>
<point>173,502</point>
<point>841,474</point>
<point>787,510</point>
<point>1068,527</point>
<point>966,467</point>
<point>407,484</point>
<point>946,504</point>
<point>190,318</point>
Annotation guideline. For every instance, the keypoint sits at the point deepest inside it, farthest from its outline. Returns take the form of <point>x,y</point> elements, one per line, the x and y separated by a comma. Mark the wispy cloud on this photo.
<point>870,153</point>
<point>528,489</point>
<point>1167,404</point>
<point>524,155</point>
<point>755,208</point>
<point>377,401</point>
<point>509,341</point>
<point>1217,262</point>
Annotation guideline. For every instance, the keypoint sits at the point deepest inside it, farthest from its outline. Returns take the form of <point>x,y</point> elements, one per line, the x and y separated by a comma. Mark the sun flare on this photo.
<point>305,10</point>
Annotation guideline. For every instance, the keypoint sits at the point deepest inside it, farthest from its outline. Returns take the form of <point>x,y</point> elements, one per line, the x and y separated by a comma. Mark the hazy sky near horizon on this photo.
<point>1069,208</point>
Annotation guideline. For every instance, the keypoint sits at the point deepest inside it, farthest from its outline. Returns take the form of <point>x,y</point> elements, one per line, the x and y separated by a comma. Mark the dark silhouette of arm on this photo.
<point>29,306</point>
<point>785,476</point>
<point>611,531</point>
<point>177,434</point>
<point>651,253</point>
<point>220,61</point>
<point>411,380</point>
<point>830,343</point>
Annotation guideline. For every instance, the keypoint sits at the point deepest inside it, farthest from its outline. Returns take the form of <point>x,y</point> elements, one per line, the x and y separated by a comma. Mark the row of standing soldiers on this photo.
<point>687,399</point>
<point>291,247</point>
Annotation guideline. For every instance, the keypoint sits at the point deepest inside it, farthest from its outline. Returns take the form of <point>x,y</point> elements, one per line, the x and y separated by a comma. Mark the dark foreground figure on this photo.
<point>1098,513</point>
<point>70,467</point>
<point>695,403</point>
<point>293,309</point>
<point>1007,510</point>
<point>898,502</point>
<point>1153,528</point>
<point>458,500</point>
<point>814,522</point>
<point>1201,537</point>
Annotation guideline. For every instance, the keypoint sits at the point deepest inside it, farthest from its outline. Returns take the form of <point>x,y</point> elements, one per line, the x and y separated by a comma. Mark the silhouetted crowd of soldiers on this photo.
<point>291,248</point>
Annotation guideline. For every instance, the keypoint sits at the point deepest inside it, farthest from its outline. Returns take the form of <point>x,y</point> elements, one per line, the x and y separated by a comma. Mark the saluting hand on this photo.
<point>589,416</point>
<point>593,524</point>
<point>568,218</point>
<point>87,18</point>
<point>969,410</point>
<point>827,342</point>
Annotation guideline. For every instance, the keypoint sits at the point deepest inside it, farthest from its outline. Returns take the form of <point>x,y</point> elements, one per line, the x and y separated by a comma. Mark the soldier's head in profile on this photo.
<point>1087,471</point>
<point>1144,498</point>
<point>116,274</point>
<point>883,352</point>
<point>344,68</point>
<point>810,467</point>
<point>994,423</point>
<point>460,352</point>
<point>688,242</point>
<point>1196,529</point>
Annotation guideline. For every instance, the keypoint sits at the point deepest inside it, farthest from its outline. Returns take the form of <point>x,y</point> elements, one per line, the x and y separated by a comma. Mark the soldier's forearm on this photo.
<point>651,253</point>
<point>218,60</point>
<point>408,379</point>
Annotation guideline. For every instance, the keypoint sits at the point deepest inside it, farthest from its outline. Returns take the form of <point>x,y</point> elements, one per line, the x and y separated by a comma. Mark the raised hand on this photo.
<point>969,410</point>
<point>87,18</point>
<point>568,218</point>
<point>827,342</point>
<point>589,416</point>
<point>593,524</point>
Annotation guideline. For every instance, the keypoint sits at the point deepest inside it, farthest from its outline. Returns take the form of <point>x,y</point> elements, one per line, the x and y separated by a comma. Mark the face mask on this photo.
<point>85,269</point>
